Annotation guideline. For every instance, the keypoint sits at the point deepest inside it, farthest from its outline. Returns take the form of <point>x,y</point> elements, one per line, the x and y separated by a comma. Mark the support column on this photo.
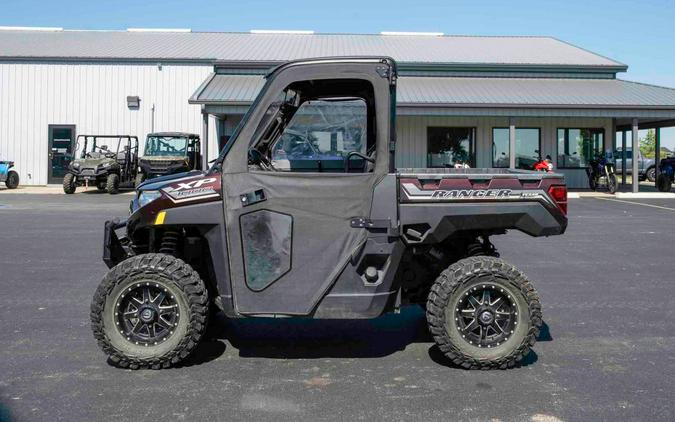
<point>205,140</point>
<point>512,143</point>
<point>623,157</point>
<point>636,149</point>
<point>657,153</point>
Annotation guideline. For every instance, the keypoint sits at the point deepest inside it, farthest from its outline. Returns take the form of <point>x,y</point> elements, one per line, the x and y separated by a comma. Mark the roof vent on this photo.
<point>281,31</point>
<point>159,30</point>
<point>30,28</point>
<point>414,34</point>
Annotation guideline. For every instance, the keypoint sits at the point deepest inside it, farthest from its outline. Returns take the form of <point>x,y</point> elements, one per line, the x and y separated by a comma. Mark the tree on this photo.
<point>648,144</point>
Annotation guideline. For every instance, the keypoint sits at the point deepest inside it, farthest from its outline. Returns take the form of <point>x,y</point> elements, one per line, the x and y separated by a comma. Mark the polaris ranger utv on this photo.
<point>169,153</point>
<point>256,238</point>
<point>102,166</point>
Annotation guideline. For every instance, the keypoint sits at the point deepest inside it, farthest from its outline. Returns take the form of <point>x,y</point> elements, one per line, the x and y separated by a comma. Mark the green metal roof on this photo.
<point>221,89</point>
<point>421,50</point>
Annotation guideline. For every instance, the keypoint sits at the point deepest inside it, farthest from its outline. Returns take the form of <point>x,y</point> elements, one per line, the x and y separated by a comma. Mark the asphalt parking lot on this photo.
<point>606,352</point>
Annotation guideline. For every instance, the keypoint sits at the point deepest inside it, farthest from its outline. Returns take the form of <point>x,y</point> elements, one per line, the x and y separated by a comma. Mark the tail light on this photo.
<point>559,195</point>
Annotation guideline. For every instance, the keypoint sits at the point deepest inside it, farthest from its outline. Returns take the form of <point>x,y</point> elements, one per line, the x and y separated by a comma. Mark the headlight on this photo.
<point>146,197</point>
<point>76,165</point>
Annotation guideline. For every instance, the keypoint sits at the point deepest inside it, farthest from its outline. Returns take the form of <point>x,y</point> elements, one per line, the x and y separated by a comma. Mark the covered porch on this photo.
<point>486,118</point>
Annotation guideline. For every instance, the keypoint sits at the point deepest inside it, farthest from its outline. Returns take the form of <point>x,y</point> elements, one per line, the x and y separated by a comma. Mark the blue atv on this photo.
<point>667,169</point>
<point>8,174</point>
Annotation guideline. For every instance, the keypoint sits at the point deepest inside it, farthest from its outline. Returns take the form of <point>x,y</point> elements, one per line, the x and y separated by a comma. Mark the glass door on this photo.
<point>61,149</point>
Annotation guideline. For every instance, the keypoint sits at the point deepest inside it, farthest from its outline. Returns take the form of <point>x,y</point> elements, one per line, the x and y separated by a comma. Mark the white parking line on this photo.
<point>637,203</point>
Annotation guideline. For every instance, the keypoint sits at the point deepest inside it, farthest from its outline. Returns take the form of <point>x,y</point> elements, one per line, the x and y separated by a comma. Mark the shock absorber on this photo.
<point>169,243</point>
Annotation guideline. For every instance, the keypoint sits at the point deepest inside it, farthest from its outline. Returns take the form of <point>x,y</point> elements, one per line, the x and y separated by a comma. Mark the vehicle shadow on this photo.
<point>305,338</point>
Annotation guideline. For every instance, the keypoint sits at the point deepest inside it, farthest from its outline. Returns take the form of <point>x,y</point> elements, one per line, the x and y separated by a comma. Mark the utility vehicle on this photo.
<point>106,161</point>
<point>9,175</point>
<point>254,237</point>
<point>169,153</point>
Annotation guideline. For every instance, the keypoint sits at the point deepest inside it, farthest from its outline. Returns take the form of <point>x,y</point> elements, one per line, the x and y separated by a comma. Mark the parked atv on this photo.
<point>106,161</point>
<point>666,173</point>
<point>8,174</point>
<point>169,153</point>
<point>311,232</point>
<point>601,171</point>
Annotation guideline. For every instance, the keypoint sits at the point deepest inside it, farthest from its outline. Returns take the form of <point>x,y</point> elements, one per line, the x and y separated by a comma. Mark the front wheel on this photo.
<point>611,183</point>
<point>663,183</point>
<point>12,181</point>
<point>149,311</point>
<point>483,313</point>
<point>651,174</point>
<point>69,183</point>
<point>113,184</point>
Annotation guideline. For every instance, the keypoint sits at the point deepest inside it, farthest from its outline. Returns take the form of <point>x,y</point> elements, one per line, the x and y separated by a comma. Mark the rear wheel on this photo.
<point>651,174</point>
<point>663,183</point>
<point>69,183</point>
<point>611,183</point>
<point>12,180</point>
<point>113,183</point>
<point>149,311</point>
<point>483,313</point>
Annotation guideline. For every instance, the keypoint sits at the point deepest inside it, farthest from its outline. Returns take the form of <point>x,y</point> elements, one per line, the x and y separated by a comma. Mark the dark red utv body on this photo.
<point>258,236</point>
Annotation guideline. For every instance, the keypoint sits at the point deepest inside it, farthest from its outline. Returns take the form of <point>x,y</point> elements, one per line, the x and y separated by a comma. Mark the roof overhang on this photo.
<point>472,96</point>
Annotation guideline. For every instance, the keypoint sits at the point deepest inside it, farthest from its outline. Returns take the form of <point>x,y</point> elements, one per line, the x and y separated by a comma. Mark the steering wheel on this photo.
<point>358,154</point>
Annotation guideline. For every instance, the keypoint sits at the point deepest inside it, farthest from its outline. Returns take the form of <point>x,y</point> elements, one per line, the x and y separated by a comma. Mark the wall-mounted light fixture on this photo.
<point>133,101</point>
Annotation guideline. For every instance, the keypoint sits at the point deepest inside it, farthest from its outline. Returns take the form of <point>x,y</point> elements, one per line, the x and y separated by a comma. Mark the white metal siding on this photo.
<point>411,132</point>
<point>91,96</point>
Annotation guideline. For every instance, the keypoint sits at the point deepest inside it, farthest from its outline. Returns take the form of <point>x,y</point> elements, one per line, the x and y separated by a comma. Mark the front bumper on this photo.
<point>115,249</point>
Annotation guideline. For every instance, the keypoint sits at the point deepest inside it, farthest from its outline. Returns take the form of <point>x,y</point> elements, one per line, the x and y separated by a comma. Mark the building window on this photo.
<point>576,147</point>
<point>527,147</point>
<point>450,146</point>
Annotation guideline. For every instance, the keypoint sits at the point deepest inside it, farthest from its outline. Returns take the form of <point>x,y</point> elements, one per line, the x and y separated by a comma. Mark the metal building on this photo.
<point>469,99</point>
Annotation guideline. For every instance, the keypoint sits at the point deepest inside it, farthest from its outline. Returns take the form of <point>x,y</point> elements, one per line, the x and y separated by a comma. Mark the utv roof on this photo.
<point>175,134</point>
<point>334,59</point>
<point>107,136</point>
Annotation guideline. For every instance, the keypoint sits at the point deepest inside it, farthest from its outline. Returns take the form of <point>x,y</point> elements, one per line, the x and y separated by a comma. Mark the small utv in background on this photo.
<point>106,161</point>
<point>8,174</point>
<point>169,153</point>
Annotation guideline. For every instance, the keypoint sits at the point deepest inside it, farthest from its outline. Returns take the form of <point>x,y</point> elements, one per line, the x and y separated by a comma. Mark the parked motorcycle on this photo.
<point>544,165</point>
<point>601,171</point>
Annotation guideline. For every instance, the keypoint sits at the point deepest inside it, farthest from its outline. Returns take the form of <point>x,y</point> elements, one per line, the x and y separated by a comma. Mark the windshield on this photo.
<point>97,147</point>
<point>166,145</point>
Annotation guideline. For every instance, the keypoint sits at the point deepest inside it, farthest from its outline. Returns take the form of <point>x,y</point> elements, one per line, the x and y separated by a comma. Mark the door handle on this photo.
<point>251,198</point>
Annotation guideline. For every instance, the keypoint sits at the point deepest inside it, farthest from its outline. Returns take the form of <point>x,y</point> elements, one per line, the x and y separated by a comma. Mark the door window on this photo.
<point>309,128</point>
<point>267,243</point>
<point>322,135</point>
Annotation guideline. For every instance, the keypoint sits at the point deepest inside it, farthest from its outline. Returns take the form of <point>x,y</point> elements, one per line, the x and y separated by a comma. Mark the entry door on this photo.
<point>287,249</point>
<point>61,150</point>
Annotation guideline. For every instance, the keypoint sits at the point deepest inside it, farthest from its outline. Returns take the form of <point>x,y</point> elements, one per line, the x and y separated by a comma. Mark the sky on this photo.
<point>640,34</point>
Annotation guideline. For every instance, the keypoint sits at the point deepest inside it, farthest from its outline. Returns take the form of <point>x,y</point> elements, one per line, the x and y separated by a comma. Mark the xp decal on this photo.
<point>193,190</point>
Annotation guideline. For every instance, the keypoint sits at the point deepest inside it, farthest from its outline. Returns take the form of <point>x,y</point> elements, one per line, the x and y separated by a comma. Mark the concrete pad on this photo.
<point>645,195</point>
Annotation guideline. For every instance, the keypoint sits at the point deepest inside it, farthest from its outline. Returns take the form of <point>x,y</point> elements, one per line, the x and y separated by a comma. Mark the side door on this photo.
<point>61,150</point>
<point>289,214</point>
